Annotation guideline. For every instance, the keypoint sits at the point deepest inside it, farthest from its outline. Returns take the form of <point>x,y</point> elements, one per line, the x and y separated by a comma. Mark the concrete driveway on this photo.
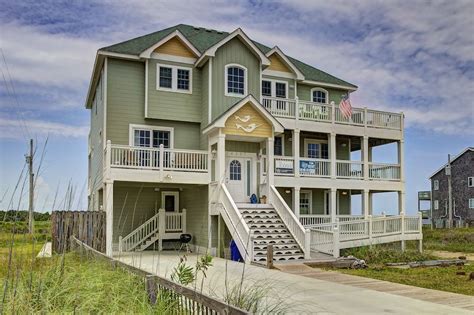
<point>296,294</point>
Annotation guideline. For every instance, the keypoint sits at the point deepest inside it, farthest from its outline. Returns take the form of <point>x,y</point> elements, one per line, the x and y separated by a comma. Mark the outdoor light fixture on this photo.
<point>344,193</point>
<point>157,189</point>
<point>169,176</point>
<point>288,191</point>
<point>214,153</point>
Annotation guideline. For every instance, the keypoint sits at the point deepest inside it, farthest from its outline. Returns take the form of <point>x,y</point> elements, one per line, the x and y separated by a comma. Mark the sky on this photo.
<point>410,56</point>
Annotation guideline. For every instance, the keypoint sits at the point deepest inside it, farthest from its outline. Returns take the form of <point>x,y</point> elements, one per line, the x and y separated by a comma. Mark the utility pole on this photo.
<point>450,199</point>
<point>29,160</point>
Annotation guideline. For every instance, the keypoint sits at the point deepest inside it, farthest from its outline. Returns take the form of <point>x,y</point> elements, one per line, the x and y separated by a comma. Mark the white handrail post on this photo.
<point>335,239</point>
<point>403,231</point>
<point>108,154</point>
<point>307,244</point>
<point>120,244</point>
<point>370,229</point>
<point>161,227</point>
<point>297,108</point>
<point>183,221</point>
<point>161,157</point>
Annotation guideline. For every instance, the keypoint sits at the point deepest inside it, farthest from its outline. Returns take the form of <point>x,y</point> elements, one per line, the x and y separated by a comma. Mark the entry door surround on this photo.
<point>241,175</point>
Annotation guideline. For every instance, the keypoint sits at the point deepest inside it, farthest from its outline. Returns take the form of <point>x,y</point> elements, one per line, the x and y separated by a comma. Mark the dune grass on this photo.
<point>451,240</point>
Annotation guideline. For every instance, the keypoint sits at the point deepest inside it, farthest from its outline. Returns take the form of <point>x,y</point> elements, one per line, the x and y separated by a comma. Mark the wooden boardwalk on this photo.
<point>440,297</point>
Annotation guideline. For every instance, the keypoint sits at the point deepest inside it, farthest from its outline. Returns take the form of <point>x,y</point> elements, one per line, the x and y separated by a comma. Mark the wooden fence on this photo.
<point>87,226</point>
<point>184,300</point>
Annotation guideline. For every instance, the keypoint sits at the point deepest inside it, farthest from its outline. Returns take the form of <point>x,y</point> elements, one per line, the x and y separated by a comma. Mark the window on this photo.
<point>470,182</point>
<point>280,89</point>
<point>266,88</point>
<point>305,202</point>
<point>166,77</point>
<point>235,170</point>
<point>316,149</point>
<point>151,137</point>
<point>319,95</point>
<point>161,137</point>
<point>436,205</point>
<point>174,78</point>
<point>236,84</point>
<point>278,146</point>
<point>435,184</point>
<point>471,203</point>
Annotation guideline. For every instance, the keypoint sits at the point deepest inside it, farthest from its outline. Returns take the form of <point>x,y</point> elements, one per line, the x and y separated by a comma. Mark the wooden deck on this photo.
<point>440,297</point>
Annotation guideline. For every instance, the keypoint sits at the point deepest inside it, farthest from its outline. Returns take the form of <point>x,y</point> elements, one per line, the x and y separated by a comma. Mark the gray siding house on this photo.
<point>187,123</point>
<point>462,179</point>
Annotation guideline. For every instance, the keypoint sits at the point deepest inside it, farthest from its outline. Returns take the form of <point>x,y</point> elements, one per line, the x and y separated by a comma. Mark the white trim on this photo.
<point>327,193</point>
<point>173,58</point>
<point>281,74</point>
<point>104,142</point>
<point>174,78</point>
<point>436,204</point>
<point>436,184</point>
<point>454,159</point>
<point>117,55</point>
<point>306,141</point>
<point>277,50</point>
<point>345,87</point>
<point>147,53</point>
<point>273,87</point>
<point>209,114</point>
<point>470,182</point>
<point>282,136</point>
<point>320,90</point>
<point>471,203</point>
<point>175,194</point>
<point>211,52</point>
<point>146,88</point>
<point>310,193</point>
<point>220,122</point>
<point>132,127</point>
<point>229,155</point>
<point>227,66</point>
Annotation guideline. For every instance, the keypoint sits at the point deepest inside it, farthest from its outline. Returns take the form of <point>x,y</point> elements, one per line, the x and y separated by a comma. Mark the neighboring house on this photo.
<point>462,183</point>
<point>188,123</point>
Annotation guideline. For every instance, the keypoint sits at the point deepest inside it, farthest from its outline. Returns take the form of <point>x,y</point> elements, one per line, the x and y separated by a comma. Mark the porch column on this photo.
<point>332,153</point>
<point>365,157</point>
<point>365,203</point>
<point>371,203</point>
<point>333,205</point>
<point>296,151</point>
<point>220,160</point>
<point>270,162</point>
<point>401,145</point>
<point>401,202</point>
<point>109,216</point>
<point>296,200</point>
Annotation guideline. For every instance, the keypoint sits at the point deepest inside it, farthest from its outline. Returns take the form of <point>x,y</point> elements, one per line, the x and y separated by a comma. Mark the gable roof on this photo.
<point>203,39</point>
<point>276,50</point>
<point>454,159</point>
<point>219,121</point>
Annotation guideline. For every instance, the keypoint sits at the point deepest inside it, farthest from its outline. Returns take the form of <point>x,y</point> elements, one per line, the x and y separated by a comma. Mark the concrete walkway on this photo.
<point>295,293</point>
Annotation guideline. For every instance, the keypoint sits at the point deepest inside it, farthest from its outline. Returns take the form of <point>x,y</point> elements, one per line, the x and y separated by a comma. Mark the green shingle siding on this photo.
<point>174,105</point>
<point>233,52</point>
<point>125,106</point>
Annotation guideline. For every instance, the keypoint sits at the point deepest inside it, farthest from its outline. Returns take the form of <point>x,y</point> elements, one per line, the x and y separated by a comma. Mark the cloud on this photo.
<point>18,128</point>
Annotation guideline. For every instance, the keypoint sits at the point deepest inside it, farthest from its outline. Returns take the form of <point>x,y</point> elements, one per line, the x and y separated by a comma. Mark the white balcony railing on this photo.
<point>306,110</point>
<point>315,167</point>
<point>350,169</point>
<point>384,171</point>
<point>123,156</point>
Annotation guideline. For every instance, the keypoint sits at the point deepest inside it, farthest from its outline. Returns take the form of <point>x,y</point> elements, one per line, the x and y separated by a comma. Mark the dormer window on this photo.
<point>174,78</point>
<point>319,95</point>
<point>236,80</point>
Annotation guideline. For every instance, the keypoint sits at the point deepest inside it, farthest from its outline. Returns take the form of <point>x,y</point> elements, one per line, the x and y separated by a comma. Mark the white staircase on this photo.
<point>268,229</point>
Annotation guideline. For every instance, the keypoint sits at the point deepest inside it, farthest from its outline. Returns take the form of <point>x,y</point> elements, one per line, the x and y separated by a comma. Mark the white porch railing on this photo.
<point>331,237</point>
<point>161,223</point>
<point>350,169</point>
<point>123,156</point>
<point>307,110</point>
<point>284,165</point>
<point>280,107</point>
<point>309,220</point>
<point>315,167</point>
<point>292,223</point>
<point>383,171</point>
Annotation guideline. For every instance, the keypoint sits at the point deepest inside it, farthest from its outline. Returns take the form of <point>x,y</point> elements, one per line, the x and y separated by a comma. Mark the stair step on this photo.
<point>289,246</point>
<point>274,241</point>
<point>257,211</point>
<point>267,231</point>
<point>254,205</point>
<point>260,216</point>
<point>263,258</point>
<point>263,221</point>
<point>266,226</point>
<point>279,252</point>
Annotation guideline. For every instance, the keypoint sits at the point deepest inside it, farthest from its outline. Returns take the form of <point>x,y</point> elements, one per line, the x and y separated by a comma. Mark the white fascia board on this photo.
<point>220,123</point>
<point>118,55</point>
<point>211,52</point>
<point>337,86</point>
<point>298,73</point>
<point>147,52</point>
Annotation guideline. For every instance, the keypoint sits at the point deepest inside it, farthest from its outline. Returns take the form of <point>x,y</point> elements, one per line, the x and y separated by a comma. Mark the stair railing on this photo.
<point>140,234</point>
<point>296,229</point>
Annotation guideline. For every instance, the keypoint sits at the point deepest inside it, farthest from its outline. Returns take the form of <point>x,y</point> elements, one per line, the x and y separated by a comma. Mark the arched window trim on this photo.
<point>235,170</point>
<point>321,90</point>
<point>231,65</point>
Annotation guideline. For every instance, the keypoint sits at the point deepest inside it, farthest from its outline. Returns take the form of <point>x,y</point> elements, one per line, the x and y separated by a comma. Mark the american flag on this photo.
<point>345,107</point>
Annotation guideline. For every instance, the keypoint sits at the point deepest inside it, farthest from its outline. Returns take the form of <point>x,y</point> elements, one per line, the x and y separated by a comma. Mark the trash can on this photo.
<point>234,252</point>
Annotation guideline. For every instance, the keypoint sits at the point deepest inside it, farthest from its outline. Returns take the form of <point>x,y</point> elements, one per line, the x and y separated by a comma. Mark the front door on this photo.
<point>238,178</point>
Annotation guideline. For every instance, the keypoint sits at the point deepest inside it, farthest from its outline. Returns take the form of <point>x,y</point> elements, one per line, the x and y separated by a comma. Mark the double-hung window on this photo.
<point>278,146</point>
<point>471,203</point>
<point>236,80</point>
<point>319,95</point>
<point>435,184</point>
<point>470,182</point>
<point>174,78</point>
